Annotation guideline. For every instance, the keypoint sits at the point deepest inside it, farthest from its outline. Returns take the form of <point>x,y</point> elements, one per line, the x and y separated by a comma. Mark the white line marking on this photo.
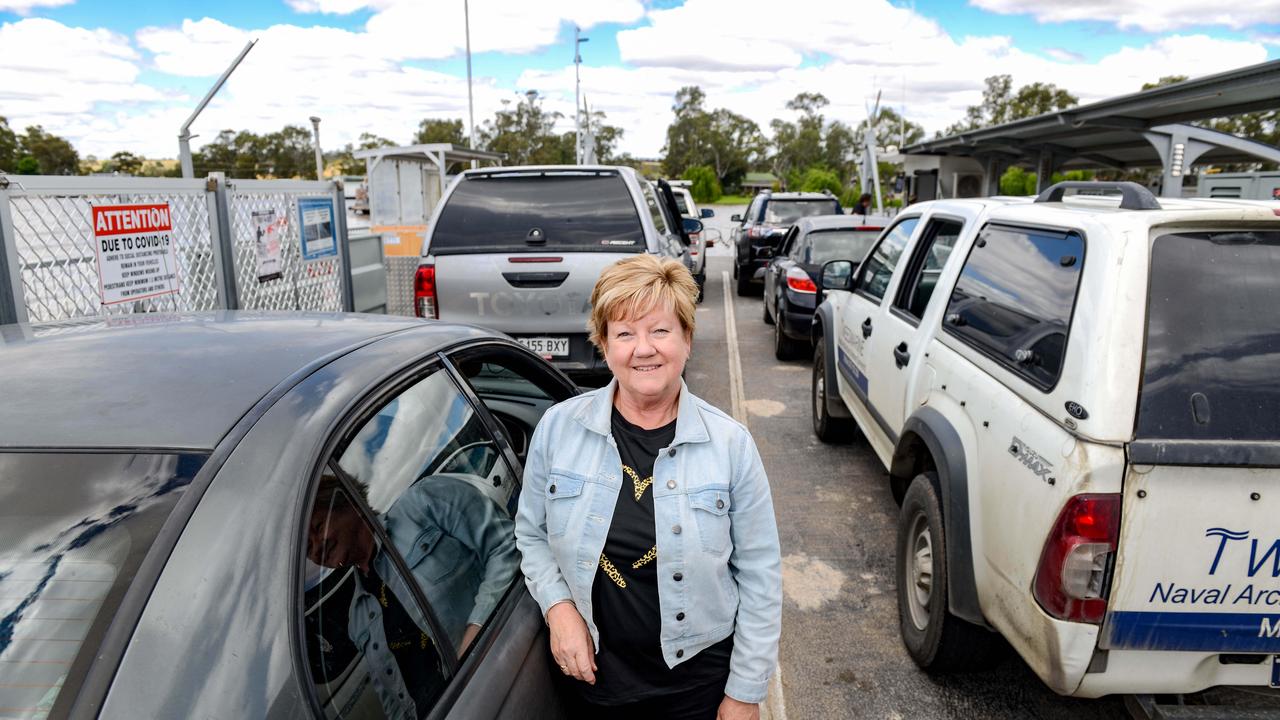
<point>774,707</point>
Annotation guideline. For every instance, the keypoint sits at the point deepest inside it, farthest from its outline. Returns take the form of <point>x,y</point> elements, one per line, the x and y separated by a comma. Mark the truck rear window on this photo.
<point>527,212</point>
<point>74,527</point>
<point>1212,367</point>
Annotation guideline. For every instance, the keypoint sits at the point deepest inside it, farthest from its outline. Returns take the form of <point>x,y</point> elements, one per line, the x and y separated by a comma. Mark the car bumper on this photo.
<point>795,323</point>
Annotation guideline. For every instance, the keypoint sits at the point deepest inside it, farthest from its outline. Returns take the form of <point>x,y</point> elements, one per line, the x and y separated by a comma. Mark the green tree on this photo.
<point>687,134</point>
<point>1001,105</point>
<point>817,179</point>
<point>721,139</point>
<point>27,165</point>
<point>891,129</point>
<point>705,186</point>
<point>125,163</point>
<point>345,158</point>
<point>432,130</point>
<point>53,154</point>
<point>8,146</point>
<point>525,134</point>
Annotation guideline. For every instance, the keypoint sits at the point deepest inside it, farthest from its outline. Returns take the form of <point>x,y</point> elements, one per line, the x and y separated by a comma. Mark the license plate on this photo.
<point>547,346</point>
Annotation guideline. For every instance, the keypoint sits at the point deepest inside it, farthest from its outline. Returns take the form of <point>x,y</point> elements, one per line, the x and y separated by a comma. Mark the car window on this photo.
<point>753,211</point>
<point>1015,297</point>
<point>655,210</point>
<point>931,253</point>
<point>823,246</point>
<point>877,270</point>
<point>372,650</point>
<point>787,212</point>
<point>538,212</point>
<point>1209,373</point>
<point>74,529</point>
<point>798,245</point>
<point>682,201</point>
<point>434,476</point>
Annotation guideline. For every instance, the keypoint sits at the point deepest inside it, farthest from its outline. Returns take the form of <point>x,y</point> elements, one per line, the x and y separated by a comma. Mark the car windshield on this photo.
<point>681,202</point>
<point>828,245</point>
<point>74,528</point>
<point>787,212</point>
<point>539,212</point>
<point>1213,338</point>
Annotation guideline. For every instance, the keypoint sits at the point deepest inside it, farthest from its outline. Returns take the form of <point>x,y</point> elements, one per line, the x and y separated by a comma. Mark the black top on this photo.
<point>410,645</point>
<point>629,663</point>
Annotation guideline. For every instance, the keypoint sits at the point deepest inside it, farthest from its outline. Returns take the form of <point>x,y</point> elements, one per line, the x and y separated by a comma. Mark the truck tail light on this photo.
<point>757,232</point>
<point>1071,580</point>
<point>424,292</point>
<point>798,280</point>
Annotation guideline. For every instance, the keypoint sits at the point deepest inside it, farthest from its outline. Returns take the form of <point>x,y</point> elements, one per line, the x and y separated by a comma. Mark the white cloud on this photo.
<point>1064,55</point>
<point>1147,15</point>
<point>24,7</point>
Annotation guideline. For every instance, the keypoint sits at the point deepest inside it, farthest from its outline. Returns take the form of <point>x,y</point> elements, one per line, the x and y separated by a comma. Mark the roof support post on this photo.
<point>1045,166</point>
<point>993,168</point>
<point>1171,145</point>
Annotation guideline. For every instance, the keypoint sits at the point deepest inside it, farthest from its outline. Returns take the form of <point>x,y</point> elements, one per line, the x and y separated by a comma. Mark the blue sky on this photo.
<point>116,75</point>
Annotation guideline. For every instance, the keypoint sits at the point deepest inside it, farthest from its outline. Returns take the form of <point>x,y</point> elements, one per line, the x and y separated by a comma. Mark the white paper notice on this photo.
<point>268,231</point>
<point>134,244</point>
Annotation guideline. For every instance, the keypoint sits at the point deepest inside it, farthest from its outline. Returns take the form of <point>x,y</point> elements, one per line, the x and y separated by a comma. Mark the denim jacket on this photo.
<point>719,564</point>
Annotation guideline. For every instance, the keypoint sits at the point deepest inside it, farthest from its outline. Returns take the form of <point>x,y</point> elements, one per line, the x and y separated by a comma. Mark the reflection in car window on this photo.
<point>787,212</point>
<point>936,244</point>
<point>1015,296</point>
<point>878,269</point>
<point>515,388</point>
<point>74,529</point>
<point>823,246</point>
<point>371,649</point>
<point>433,475</point>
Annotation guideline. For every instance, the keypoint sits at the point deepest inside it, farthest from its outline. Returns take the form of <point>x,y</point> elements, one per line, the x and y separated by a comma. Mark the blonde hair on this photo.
<point>633,287</point>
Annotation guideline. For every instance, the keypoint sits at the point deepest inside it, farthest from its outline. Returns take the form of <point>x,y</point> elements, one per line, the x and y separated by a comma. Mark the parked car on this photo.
<point>699,242</point>
<point>1076,404</point>
<point>790,279</point>
<point>249,515</point>
<point>519,249</point>
<point>762,228</point>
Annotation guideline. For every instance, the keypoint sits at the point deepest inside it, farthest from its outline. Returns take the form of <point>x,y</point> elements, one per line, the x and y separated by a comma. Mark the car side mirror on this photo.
<point>836,275</point>
<point>692,225</point>
<point>735,218</point>
<point>707,213</point>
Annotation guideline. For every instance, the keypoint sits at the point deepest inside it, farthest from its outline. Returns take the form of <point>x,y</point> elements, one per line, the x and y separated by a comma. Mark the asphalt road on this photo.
<point>841,656</point>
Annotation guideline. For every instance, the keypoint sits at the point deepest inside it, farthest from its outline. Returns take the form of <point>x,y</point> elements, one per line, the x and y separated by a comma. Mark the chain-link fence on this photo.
<point>53,237</point>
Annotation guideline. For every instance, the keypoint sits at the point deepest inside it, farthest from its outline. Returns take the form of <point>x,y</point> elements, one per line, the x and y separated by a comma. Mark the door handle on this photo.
<point>866,328</point>
<point>900,355</point>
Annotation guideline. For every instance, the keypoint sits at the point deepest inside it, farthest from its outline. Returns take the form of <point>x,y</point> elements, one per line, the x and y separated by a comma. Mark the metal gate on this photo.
<point>49,266</point>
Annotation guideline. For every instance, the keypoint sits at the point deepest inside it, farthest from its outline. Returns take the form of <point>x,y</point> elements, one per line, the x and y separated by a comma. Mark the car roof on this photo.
<point>546,169</point>
<point>169,381</point>
<point>800,196</point>
<point>831,222</point>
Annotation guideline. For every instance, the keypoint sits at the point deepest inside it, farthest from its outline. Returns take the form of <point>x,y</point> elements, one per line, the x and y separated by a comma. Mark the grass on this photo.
<point>733,200</point>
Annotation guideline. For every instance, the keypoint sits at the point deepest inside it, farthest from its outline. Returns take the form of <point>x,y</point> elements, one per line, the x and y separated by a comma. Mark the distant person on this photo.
<point>863,207</point>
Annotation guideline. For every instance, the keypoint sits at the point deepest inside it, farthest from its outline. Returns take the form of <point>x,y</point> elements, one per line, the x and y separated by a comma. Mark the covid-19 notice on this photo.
<point>136,258</point>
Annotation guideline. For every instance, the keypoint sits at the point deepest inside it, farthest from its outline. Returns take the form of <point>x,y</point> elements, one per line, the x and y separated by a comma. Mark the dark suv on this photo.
<point>760,231</point>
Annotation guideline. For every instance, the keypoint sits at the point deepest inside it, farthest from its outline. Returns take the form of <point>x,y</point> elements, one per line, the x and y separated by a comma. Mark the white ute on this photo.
<point>1078,403</point>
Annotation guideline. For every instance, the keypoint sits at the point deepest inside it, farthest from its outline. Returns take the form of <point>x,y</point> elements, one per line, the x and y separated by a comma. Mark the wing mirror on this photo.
<point>707,213</point>
<point>735,218</point>
<point>835,275</point>
<point>692,225</point>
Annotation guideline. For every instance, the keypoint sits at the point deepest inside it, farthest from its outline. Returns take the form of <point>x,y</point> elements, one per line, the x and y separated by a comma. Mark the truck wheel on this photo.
<point>937,641</point>
<point>768,319</point>
<point>784,348</point>
<point>827,428</point>
<point>744,284</point>
<point>702,285</point>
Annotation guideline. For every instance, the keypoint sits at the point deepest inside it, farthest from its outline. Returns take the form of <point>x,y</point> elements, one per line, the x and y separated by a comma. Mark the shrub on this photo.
<point>705,186</point>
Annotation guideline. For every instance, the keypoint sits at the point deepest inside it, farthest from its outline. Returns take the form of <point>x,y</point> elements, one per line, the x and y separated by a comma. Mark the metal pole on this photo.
<point>184,132</point>
<point>315,129</point>
<point>471,108</point>
<point>577,101</point>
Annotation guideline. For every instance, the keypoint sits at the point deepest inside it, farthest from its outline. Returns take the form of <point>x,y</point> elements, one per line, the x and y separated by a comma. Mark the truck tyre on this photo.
<point>784,348</point>
<point>937,641</point>
<point>827,428</point>
<point>702,285</point>
<point>768,319</point>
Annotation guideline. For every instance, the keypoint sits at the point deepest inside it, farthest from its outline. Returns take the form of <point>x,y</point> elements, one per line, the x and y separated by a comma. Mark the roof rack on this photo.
<point>1132,195</point>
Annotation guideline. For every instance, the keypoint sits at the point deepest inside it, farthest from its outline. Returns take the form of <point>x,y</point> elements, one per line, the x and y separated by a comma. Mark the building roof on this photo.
<point>759,178</point>
<point>1113,132</point>
<point>169,381</point>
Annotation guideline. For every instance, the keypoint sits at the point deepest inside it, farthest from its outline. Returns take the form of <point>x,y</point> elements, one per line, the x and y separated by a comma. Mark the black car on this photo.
<point>790,281</point>
<point>268,515</point>
<point>760,232</point>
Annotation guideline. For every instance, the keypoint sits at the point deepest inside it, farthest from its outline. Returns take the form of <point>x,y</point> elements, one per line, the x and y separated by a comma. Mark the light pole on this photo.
<point>184,132</point>
<point>577,92</point>
<point>315,130</point>
<point>471,109</point>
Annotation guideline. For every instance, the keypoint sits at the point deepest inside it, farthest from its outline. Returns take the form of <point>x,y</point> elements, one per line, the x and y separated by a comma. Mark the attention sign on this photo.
<point>134,244</point>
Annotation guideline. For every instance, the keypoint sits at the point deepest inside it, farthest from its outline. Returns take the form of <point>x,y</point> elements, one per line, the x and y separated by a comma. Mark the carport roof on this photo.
<point>451,153</point>
<point>1110,133</point>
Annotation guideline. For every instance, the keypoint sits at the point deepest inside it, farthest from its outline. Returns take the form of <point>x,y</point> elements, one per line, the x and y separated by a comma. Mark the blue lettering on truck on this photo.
<point>1193,631</point>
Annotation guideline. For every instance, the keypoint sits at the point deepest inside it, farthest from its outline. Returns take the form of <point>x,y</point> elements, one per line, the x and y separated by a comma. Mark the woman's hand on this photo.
<point>731,709</point>
<point>571,642</point>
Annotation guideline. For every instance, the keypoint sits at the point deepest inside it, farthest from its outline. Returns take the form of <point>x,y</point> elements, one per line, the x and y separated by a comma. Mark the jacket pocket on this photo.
<point>711,509</point>
<point>562,492</point>
<point>433,556</point>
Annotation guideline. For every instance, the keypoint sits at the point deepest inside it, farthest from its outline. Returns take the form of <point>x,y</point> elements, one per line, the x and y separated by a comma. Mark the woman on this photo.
<point>646,525</point>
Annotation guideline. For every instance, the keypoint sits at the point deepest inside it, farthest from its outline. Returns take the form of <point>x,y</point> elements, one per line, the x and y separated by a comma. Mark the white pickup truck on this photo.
<point>1078,404</point>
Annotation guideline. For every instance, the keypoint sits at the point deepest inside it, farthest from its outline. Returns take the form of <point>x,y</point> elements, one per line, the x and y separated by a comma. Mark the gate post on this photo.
<point>223,237</point>
<point>344,246</point>
<point>13,306</point>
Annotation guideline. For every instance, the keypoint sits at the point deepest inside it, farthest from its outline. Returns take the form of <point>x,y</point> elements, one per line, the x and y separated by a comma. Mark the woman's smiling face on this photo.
<point>647,354</point>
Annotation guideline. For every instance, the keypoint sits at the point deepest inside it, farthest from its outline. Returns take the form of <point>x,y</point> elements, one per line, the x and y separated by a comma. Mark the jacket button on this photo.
<point>677,577</point>
<point>679,616</point>
<point>671,452</point>
<point>675,529</point>
<point>679,653</point>
<point>671,484</point>
<point>719,504</point>
<point>552,489</point>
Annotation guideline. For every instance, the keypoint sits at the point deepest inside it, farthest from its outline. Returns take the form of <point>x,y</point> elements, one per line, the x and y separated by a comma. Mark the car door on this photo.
<point>445,628</point>
<point>859,318</point>
<point>775,274</point>
<point>895,346</point>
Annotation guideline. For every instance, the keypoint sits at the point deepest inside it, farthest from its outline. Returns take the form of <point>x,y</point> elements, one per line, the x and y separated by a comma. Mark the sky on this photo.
<point>112,75</point>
